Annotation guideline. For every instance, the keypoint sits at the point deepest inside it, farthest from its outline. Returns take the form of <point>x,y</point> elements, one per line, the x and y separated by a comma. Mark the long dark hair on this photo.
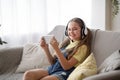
<point>83,41</point>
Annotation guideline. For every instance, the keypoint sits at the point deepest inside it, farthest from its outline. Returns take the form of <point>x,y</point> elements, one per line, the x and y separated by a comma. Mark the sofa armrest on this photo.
<point>10,58</point>
<point>112,75</point>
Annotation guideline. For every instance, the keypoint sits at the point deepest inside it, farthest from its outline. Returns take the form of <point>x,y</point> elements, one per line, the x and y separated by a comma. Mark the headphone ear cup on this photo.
<point>86,31</point>
<point>82,33</point>
<point>66,33</point>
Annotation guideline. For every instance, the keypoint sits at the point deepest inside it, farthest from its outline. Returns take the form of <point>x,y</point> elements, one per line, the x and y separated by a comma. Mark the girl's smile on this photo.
<point>74,31</point>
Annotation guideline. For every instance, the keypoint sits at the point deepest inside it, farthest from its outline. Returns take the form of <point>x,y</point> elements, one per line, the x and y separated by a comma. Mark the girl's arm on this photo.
<point>46,50</point>
<point>66,64</point>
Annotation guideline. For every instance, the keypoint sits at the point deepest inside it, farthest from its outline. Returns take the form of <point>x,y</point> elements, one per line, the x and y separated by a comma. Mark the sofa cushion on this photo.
<point>87,68</point>
<point>110,63</point>
<point>112,75</point>
<point>9,59</point>
<point>106,42</point>
<point>33,57</point>
<point>9,76</point>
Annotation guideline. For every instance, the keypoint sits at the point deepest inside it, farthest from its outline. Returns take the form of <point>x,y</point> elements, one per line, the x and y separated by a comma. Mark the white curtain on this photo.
<point>24,21</point>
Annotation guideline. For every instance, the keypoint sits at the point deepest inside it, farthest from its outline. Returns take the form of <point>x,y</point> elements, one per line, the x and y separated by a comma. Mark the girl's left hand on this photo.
<point>54,43</point>
<point>43,44</point>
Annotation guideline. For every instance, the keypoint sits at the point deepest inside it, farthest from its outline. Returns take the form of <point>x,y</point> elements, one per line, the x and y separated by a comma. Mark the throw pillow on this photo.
<point>87,68</point>
<point>33,57</point>
<point>110,63</point>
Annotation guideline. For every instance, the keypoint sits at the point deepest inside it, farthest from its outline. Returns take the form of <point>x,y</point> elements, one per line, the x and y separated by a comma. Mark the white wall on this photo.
<point>102,16</point>
<point>108,15</point>
<point>98,14</point>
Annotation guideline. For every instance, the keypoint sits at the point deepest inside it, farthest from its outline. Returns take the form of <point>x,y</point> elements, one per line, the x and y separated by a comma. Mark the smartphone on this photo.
<point>47,38</point>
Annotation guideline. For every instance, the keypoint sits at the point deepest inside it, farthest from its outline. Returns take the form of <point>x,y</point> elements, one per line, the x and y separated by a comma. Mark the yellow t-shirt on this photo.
<point>80,54</point>
<point>72,44</point>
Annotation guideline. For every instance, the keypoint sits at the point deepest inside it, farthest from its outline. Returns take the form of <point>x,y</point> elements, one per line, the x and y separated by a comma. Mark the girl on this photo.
<point>72,52</point>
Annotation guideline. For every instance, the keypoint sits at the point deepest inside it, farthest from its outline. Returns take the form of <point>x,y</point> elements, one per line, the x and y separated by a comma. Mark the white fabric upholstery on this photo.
<point>111,63</point>
<point>33,57</point>
<point>106,42</point>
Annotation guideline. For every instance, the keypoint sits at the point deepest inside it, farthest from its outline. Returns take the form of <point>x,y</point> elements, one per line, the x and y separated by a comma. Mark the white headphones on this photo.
<point>84,32</point>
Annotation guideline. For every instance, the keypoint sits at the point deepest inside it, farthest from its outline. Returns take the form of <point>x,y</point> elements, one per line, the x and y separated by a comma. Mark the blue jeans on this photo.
<point>57,70</point>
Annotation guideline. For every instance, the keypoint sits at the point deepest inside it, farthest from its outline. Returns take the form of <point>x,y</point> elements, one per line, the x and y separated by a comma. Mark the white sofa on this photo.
<point>104,43</point>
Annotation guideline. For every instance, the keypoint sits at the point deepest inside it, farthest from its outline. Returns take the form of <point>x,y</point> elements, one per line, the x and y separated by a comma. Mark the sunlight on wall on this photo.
<point>67,9</point>
<point>27,20</point>
<point>28,16</point>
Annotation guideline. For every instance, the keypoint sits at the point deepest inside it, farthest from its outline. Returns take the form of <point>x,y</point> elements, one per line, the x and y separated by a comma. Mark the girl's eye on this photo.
<point>73,29</point>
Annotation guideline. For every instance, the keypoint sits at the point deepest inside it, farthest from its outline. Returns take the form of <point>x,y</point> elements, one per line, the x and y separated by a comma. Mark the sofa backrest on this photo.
<point>58,32</point>
<point>105,43</point>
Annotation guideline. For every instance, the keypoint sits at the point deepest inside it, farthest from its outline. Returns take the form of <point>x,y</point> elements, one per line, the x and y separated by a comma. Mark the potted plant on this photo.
<point>2,42</point>
<point>115,7</point>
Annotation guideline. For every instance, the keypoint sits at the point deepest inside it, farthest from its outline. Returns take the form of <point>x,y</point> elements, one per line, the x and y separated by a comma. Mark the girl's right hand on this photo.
<point>43,44</point>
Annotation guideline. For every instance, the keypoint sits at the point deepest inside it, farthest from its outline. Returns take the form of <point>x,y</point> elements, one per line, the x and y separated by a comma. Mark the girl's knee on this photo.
<point>49,78</point>
<point>28,74</point>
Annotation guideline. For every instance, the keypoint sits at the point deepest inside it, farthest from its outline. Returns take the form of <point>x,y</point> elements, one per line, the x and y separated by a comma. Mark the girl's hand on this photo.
<point>43,44</point>
<point>54,43</point>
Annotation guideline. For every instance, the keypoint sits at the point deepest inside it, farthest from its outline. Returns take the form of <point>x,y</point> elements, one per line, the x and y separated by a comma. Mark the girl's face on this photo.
<point>74,31</point>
